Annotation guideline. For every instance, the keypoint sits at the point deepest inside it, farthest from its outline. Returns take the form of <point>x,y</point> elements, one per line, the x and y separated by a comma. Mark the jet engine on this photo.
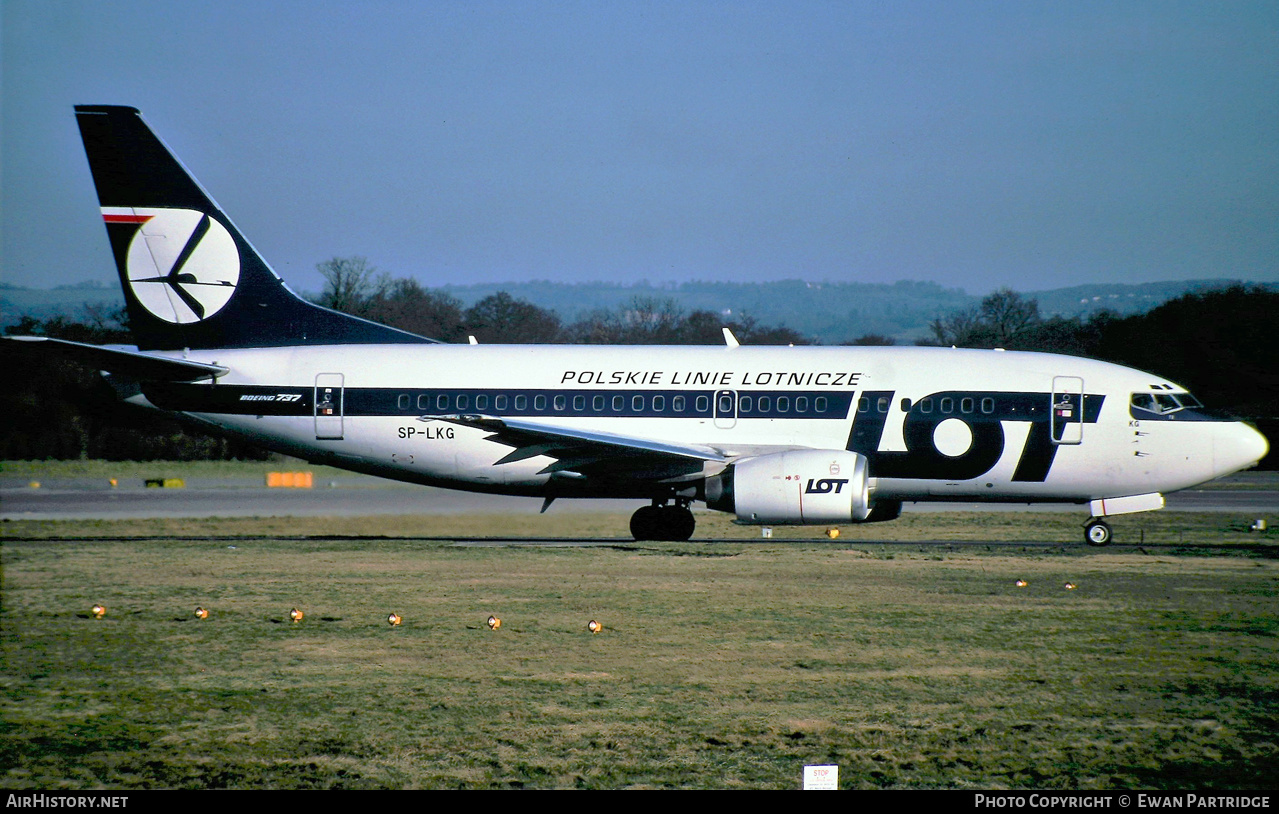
<point>796,487</point>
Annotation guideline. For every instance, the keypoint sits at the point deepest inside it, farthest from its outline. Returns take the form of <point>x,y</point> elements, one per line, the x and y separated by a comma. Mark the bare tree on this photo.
<point>348,284</point>
<point>1004,319</point>
<point>403,303</point>
<point>502,318</point>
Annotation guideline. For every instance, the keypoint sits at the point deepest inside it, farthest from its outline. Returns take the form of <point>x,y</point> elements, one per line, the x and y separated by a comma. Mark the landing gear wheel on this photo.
<point>1097,532</point>
<point>645,522</point>
<point>663,523</point>
<point>680,525</point>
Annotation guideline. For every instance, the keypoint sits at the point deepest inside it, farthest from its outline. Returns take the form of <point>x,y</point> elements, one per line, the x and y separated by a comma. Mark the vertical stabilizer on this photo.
<point>190,278</point>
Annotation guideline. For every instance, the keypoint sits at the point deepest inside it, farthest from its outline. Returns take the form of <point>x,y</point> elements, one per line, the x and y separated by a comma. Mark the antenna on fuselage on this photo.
<point>729,339</point>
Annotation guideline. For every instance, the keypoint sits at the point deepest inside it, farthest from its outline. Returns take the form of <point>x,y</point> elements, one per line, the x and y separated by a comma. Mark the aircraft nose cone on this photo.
<point>1237,447</point>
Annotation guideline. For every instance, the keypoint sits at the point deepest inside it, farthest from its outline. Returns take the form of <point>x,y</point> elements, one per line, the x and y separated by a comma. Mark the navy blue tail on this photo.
<point>190,278</point>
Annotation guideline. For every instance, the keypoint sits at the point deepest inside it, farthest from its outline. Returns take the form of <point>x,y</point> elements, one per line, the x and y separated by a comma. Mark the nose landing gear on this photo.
<point>1097,532</point>
<point>662,522</point>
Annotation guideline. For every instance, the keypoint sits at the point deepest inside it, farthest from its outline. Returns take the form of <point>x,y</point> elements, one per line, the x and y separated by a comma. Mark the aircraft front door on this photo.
<point>1068,410</point>
<point>328,407</point>
<point>726,409</point>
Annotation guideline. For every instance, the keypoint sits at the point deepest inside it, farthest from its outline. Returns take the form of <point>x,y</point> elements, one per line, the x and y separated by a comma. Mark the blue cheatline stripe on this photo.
<point>387,401</point>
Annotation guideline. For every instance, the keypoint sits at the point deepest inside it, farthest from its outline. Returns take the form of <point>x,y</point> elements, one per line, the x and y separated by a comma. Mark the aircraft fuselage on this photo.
<point>934,423</point>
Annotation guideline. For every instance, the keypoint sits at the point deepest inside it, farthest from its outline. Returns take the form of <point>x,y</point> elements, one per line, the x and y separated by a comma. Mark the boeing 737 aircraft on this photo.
<point>775,435</point>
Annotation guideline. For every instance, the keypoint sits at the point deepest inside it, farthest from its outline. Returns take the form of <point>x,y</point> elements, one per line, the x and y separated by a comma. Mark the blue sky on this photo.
<point>975,144</point>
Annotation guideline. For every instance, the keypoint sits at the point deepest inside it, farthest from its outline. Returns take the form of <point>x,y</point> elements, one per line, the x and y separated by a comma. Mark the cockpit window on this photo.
<point>1163,403</point>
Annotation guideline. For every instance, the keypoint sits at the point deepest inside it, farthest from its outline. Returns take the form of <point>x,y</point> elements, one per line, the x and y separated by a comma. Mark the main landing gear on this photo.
<point>662,522</point>
<point>1097,532</point>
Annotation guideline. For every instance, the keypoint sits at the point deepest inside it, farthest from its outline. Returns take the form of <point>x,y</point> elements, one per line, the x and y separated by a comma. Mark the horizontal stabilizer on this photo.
<point>124,361</point>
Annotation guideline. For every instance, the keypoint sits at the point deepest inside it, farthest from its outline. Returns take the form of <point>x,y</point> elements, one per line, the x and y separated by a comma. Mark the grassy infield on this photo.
<point>720,665</point>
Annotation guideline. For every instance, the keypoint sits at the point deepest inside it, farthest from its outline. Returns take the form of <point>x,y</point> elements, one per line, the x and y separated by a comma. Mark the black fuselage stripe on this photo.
<point>390,402</point>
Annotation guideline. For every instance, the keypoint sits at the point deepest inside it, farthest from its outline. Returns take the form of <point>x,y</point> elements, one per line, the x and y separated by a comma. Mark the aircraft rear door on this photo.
<point>1067,415</point>
<point>328,407</point>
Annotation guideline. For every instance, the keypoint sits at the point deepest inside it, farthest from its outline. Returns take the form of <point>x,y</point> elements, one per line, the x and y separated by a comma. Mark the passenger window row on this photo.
<point>945,404</point>
<point>611,403</point>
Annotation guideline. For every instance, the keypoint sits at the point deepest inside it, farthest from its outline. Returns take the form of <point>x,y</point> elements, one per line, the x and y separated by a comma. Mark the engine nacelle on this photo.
<point>797,487</point>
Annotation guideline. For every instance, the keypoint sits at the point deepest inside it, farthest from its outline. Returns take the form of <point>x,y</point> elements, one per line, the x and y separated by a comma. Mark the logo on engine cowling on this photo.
<point>825,486</point>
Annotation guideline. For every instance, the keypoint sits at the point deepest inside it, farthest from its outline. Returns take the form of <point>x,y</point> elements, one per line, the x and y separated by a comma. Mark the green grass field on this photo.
<point>728,665</point>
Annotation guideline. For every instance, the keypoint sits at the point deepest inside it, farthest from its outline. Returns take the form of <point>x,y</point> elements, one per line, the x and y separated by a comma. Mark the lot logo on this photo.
<point>182,265</point>
<point>825,486</point>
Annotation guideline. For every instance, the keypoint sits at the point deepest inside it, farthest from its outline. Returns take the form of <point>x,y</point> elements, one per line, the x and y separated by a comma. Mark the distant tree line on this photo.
<point>354,287</point>
<point>1220,344</point>
<point>1217,343</point>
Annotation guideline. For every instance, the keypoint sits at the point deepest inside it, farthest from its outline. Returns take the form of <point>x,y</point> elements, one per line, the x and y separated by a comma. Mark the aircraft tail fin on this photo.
<point>190,279</point>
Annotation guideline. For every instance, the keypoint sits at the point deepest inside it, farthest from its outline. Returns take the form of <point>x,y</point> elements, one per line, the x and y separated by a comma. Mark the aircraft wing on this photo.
<point>126,361</point>
<point>586,453</point>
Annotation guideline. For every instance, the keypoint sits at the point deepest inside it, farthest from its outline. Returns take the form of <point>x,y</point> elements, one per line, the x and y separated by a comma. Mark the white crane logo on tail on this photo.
<point>183,265</point>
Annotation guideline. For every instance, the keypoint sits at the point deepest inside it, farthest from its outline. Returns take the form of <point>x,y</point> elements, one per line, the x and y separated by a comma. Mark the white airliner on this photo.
<point>775,435</point>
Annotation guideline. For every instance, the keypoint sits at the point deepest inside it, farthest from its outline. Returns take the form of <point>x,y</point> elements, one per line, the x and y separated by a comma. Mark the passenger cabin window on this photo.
<point>703,404</point>
<point>659,403</point>
<point>424,402</point>
<point>402,402</point>
<point>539,403</point>
<point>820,404</point>
<point>499,403</point>
<point>677,404</point>
<point>579,403</point>
<point>521,402</point>
<point>463,402</point>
